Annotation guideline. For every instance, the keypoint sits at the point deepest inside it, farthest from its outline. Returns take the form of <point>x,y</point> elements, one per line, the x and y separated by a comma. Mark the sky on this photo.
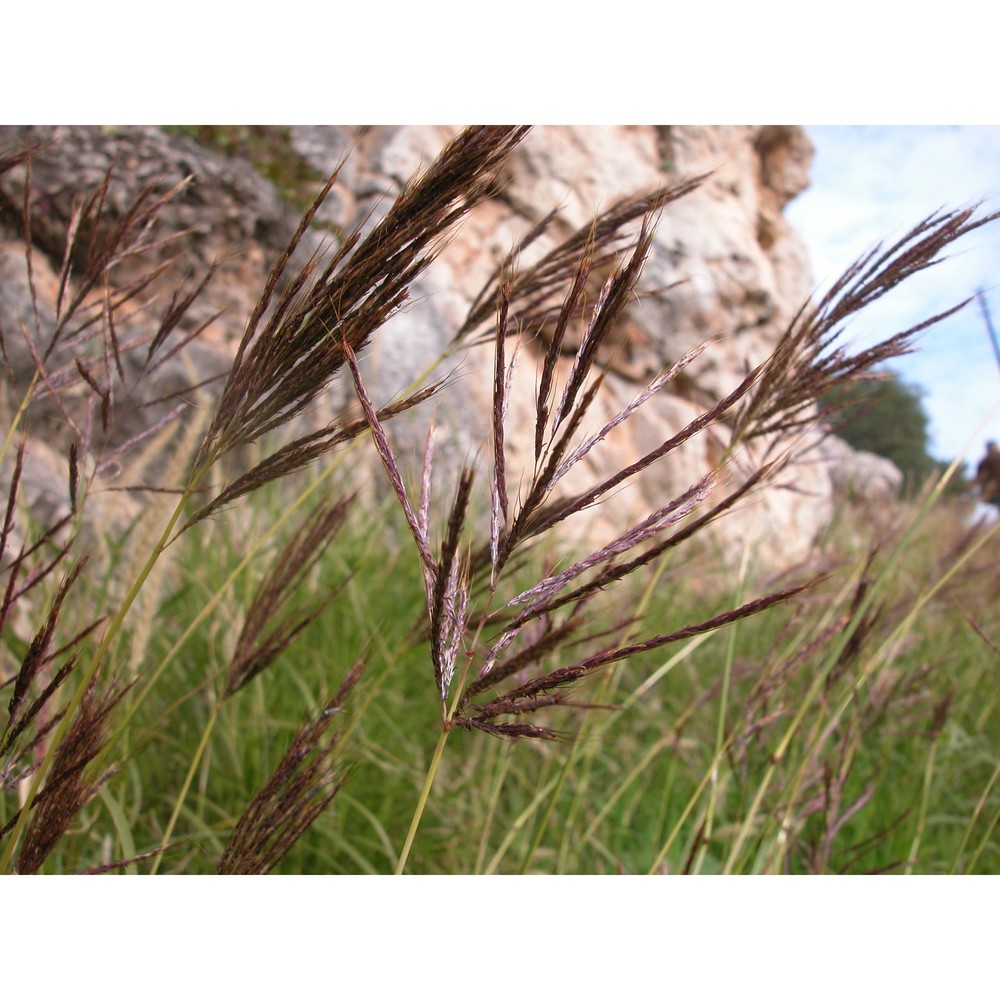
<point>871,184</point>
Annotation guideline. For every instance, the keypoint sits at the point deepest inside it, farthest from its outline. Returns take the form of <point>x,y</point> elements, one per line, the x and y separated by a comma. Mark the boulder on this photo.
<point>860,476</point>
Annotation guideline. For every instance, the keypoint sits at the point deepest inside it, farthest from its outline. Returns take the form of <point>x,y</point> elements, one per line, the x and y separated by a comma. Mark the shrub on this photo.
<point>886,416</point>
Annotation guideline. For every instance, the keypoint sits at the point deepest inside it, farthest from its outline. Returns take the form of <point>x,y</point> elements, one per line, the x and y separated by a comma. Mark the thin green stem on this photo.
<point>591,732</point>
<point>518,825</point>
<point>883,655</point>
<point>446,727</point>
<point>623,786</point>
<point>425,792</point>
<point>974,819</point>
<point>182,795</point>
<point>692,802</point>
<point>505,754</point>
<point>720,729</point>
<point>543,822</point>
<point>16,419</point>
<point>983,844</point>
<point>922,818</point>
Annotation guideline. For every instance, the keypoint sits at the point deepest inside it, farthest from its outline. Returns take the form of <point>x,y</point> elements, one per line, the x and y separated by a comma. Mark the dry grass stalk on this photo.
<point>301,787</point>
<point>777,398</point>
<point>68,789</point>
<point>283,363</point>
<point>270,627</point>
<point>807,364</point>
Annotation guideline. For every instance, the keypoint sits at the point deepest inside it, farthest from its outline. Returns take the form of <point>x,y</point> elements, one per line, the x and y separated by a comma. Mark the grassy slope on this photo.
<point>634,781</point>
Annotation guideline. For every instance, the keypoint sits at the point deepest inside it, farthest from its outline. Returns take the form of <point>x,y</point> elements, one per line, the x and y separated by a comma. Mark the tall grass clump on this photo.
<point>196,694</point>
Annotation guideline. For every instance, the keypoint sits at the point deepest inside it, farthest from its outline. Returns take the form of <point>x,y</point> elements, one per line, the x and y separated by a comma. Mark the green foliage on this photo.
<point>886,417</point>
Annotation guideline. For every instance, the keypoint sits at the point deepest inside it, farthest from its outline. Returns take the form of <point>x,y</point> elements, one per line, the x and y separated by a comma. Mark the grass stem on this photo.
<point>185,787</point>
<point>425,792</point>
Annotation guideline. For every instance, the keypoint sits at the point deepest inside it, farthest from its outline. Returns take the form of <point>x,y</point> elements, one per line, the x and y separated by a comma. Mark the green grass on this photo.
<point>670,782</point>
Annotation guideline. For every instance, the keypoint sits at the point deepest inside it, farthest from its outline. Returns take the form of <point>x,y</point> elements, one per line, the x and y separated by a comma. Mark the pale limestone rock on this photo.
<point>742,274</point>
<point>860,475</point>
<point>232,215</point>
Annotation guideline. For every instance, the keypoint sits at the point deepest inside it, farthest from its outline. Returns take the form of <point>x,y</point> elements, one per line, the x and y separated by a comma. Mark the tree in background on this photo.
<point>886,416</point>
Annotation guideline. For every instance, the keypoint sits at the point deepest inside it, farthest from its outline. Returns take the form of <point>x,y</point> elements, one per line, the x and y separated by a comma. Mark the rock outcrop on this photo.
<point>724,266</point>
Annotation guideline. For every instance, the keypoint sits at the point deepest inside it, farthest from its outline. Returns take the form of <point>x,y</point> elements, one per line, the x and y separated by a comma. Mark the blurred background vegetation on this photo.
<point>887,417</point>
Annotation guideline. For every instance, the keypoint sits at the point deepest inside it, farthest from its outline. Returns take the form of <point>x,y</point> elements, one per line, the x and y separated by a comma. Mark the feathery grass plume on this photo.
<point>180,303</point>
<point>506,651</point>
<point>448,604</point>
<point>128,239</point>
<point>283,363</point>
<point>754,387</point>
<point>609,309</point>
<point>269,629</point>
<point>806,365</point>
<point>619,571</point>
<point>525,697</point>
<point>304,451</point>
<point>517,520</point>
<point>94,250</point>
<point>39,649</point>
<point>541,599</point>
<point>594,246</point>
<point>658,383</point>
<point>543,518</point>
<point>68,789</point>
<point>501,394</point>
<point>446,579</point>
<point>93,294</point>
<point>570,412</point>
<point>387,458</point>
<point>546,388</point>
<point>553,638</point>
<point>302,785</point>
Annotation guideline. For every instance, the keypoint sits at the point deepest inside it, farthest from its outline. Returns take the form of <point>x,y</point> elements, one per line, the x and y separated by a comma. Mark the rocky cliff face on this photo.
<point>724,267</point>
